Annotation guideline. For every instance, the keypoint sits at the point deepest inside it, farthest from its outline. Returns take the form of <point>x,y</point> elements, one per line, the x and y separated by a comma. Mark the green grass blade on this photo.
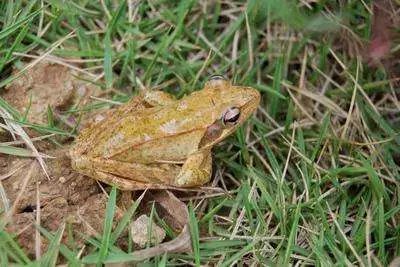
<point>51,255</point>
<point>4,33</point>
<point>380,221</point>
<point>292,235</point>
<point>64,250</point>
<point>276,86</point>
<point>107,226</point>
<point>125,219</point>
<point>194,233</point>
<point>13,247</point>
<point>21,35</point>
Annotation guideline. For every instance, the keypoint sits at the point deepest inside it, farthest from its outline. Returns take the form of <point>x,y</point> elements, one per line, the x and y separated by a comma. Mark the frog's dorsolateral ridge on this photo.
<point>156,141</point>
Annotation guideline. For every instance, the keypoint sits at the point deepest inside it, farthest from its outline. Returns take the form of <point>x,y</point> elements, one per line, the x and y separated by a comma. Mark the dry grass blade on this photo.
<point>60,61</point>
<point>178,245</point>
<point>249,43</point>
<point>38,240</point>
<point>40,58</point>
<point>323,100</point>
<point>11,143</point>
<point>4,199</point>
<point>15,127</point>
<point>8,215</point>
<point>350,245</point>
<point>349,113</point>
<point>13,171</point>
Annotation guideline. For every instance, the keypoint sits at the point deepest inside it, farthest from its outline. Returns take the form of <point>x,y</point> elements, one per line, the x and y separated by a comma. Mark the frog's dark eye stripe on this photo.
<point>217,78</point>
<point>212,133</point>
<point>231,116</point>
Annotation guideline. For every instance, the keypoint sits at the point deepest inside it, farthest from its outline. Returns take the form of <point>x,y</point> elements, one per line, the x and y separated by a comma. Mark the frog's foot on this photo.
<point>196,170</point>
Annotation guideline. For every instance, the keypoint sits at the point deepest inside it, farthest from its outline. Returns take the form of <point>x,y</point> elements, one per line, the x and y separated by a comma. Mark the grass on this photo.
<point>312,178</point>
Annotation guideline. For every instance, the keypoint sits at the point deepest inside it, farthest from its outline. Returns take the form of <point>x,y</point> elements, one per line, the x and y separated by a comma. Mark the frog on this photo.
<point>155,141</point>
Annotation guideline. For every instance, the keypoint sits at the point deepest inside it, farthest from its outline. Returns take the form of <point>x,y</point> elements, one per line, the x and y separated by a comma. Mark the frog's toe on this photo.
<point>196,170</point>
<point>185,179</point>
<point>191,178</point>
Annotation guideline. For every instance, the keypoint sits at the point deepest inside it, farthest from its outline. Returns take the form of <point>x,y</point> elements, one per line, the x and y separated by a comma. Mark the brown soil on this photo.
<point>67,197</point>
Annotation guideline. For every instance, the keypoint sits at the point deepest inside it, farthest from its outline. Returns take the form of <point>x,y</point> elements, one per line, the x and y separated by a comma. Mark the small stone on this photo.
<point>140,235</point>
<point>61,179</point>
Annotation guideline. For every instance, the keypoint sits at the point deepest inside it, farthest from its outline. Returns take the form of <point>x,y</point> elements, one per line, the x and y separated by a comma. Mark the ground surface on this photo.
<point>312,178</point>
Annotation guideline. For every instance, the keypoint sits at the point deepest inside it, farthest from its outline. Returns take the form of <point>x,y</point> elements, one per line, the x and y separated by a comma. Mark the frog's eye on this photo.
<point>231,116</point>
<point>217,78</point>
<point>216,81</point>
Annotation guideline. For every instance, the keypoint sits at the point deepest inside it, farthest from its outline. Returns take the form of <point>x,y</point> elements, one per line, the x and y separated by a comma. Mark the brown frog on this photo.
<point>156,141</point>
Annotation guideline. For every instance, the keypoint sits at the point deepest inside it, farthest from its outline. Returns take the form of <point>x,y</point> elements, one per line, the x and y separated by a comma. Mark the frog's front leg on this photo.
<point>196,170</point>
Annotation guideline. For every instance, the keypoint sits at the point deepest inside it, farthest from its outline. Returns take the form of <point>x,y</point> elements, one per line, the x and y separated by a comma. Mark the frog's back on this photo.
<point>164,133</point>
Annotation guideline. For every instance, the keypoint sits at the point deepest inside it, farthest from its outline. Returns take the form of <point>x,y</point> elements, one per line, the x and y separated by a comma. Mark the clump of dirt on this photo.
<point>48,85</point>
<point>67,197</point>
<point>45,85</point>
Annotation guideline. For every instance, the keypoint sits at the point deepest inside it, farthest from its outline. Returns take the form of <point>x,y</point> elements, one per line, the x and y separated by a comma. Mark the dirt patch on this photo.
<point>45,85</point>
<point>53,86</point>
<point>66,197</point>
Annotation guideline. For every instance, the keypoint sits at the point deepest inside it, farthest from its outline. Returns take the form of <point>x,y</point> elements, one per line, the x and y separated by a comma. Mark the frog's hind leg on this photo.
<point>196,170</point>
<point>126,184</point>
<point>127,175</point>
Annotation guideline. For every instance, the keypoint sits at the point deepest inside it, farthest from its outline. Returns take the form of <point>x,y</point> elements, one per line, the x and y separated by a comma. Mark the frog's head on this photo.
<point>233,105</point>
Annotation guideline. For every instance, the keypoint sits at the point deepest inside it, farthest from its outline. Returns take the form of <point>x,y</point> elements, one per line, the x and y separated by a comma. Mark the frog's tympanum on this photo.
<point>156,141</point>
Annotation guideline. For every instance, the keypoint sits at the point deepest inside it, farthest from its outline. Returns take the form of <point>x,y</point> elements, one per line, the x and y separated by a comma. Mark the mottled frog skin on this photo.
<point>156,141</point>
